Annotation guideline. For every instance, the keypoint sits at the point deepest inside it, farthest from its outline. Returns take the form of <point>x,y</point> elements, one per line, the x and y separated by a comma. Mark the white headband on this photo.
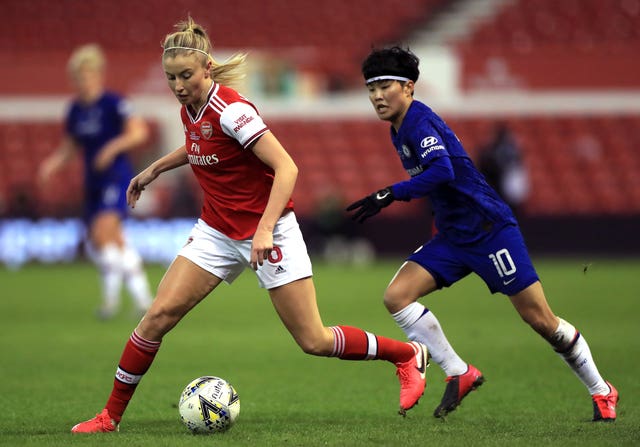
<point>186,48</point>
<point>386,77</point>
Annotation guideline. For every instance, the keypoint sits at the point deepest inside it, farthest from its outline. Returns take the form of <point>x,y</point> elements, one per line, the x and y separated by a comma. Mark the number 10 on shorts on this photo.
<point>503,262</point>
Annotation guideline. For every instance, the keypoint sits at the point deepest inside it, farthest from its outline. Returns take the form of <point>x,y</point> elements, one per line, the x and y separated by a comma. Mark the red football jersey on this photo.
<point>235,182</point>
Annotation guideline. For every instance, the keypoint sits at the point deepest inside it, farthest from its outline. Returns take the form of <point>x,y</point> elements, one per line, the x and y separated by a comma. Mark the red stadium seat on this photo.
<point>553,44</point>
<point>577,164</point>
<point>277,26</point>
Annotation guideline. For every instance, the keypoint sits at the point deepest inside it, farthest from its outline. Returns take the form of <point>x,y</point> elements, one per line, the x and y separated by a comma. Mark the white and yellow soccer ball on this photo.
<point>209,405</point>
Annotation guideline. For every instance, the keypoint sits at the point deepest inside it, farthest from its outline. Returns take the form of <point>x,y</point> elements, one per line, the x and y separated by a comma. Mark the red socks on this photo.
<point>351,343</point>
<point>136,359</point>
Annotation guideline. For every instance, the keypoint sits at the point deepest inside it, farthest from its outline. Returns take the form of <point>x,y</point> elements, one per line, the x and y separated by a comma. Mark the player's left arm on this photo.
<point>135,132</point>
<point>165,163</point>
<point>269,150</point>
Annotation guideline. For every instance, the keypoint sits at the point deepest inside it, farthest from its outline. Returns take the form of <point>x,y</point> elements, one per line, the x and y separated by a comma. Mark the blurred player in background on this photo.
<point>502,164</point>
<point>477,232</point>
<point>247,220</point>
<point>100,125</point>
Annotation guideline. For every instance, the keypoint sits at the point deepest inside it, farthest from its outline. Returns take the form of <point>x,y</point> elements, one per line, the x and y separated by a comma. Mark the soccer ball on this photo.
<point>209,405</point>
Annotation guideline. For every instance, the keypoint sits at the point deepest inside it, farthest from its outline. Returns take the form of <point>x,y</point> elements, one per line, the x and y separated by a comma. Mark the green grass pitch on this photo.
<point>58,363</point>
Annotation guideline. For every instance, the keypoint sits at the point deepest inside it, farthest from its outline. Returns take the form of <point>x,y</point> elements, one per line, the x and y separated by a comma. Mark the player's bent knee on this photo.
<point>313,350</point>
<point>158,321</point>
<point>315,346</point>
<point>395,300</point>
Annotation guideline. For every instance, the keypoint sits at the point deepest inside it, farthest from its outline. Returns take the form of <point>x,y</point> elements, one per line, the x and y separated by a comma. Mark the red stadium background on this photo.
<point>563,75</point>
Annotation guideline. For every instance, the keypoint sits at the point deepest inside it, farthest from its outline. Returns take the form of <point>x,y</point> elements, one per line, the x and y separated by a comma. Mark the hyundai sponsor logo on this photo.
<point>428,141</point>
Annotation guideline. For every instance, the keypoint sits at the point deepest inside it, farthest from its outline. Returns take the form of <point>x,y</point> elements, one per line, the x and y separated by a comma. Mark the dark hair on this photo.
<point>394,61</point>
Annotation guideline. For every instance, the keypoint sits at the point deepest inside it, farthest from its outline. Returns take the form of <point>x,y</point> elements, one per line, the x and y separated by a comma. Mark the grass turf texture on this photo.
<point>58,363</point>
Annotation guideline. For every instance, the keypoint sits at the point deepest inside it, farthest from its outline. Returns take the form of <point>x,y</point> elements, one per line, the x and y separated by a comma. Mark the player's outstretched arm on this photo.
<point>54,162</point>
<point>139,182</point>
<point>371,205</point>
<point>438,172</point>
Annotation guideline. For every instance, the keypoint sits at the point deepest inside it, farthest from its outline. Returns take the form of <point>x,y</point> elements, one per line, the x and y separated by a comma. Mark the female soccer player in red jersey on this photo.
<point>247,220</point>
<point>100,124</point>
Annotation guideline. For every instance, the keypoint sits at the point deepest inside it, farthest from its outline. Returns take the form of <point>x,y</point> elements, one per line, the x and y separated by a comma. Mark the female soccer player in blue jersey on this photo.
<point>99,123</point>
<point>477,232</point>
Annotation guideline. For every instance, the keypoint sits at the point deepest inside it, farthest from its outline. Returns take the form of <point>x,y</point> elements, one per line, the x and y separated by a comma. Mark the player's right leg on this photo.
<point>135,279</point>
<point>105,236</point>
<point>457,388</point>
<point>411,282</point>
<point>183,286</point>
<point>287,275</point>
<point>108,260</point>
<point>296,305</point>
<point>118,263</point>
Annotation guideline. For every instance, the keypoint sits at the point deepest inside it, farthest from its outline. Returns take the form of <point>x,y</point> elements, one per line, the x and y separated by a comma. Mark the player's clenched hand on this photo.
<point>261,247</point>
<point>137,185</point>
<point>371,205</point>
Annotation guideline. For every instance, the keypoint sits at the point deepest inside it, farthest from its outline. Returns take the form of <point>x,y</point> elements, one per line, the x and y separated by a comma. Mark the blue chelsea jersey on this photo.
<point>466,208</point>
<point>92,126</point>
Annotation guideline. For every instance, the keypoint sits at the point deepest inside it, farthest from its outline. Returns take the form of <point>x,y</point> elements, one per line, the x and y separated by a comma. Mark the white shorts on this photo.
<point>226,258</point>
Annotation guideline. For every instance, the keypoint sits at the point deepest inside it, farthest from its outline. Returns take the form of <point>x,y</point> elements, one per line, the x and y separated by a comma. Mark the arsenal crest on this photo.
<point>206,129</point>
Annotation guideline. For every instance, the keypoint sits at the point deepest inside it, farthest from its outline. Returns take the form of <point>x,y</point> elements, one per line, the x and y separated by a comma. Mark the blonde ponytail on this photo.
<point>191,37</point>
